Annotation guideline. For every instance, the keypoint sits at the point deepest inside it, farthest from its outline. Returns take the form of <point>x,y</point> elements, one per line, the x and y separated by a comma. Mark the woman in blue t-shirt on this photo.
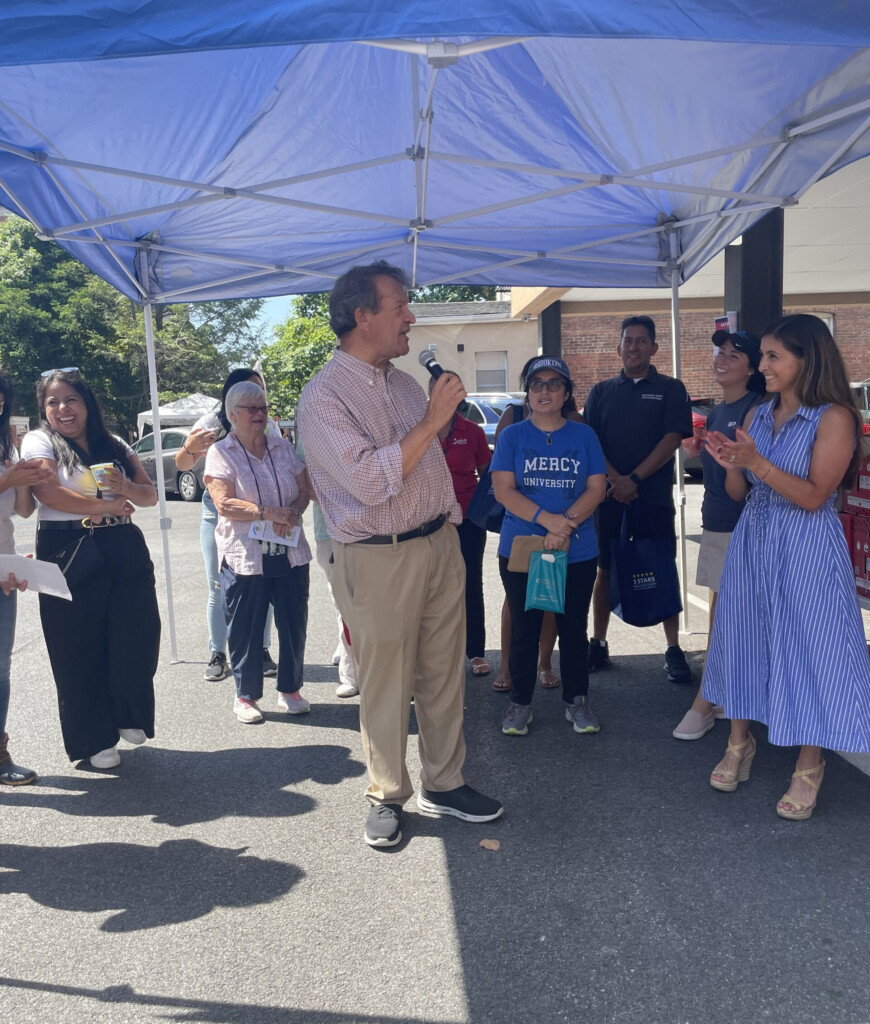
<point>735,367</point>
<point>550,474</point>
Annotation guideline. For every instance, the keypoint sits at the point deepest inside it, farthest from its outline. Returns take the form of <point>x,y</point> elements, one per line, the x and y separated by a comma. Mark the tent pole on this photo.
<point>682,565</point>
<point>165,521</point>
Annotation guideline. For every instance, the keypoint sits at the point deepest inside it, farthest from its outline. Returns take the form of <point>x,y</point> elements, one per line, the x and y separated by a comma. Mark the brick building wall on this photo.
<point>589,347</point>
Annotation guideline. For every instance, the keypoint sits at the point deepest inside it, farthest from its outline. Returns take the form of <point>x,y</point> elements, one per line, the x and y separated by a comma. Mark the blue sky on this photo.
<point>274,311</point>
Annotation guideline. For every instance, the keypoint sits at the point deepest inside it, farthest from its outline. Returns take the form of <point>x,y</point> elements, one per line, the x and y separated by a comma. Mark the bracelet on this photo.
<point>766,472</point>
<point>565,514</point>
<point>535,516</point>
<point>298,511</point>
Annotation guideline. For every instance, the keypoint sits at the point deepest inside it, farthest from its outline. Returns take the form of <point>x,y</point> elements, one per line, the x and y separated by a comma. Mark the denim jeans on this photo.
<point>8,607</point>
<point>217,624</point>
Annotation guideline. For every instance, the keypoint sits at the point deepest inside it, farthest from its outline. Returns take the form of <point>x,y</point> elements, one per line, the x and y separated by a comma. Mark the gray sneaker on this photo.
<point>217,667</point>
<point>516,719</point>
<point>582,716</point>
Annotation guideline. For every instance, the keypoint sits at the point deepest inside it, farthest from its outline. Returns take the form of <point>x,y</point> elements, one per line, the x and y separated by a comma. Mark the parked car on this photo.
<point>188,484</point>
<point>485,409</point>
<point>692,445</point>
<point>861,391</point>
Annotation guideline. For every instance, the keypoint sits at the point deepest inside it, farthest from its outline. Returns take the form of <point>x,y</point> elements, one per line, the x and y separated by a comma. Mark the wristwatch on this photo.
<point>260,513</point>
<point>635,478</point>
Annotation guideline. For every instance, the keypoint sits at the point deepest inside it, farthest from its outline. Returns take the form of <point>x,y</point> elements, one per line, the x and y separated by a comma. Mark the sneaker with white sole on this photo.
<point>293,703</point>
<point>217,667</point>
<point>336,658</point>
<point>516,719</point>
<point>346,690</point>
<point>696,724</point>
<point>384,825</point>
<point>108,758</point>
<point>246,711</point>
<point>463,802</point>
<point>582,716</point>
<point>135,736</point>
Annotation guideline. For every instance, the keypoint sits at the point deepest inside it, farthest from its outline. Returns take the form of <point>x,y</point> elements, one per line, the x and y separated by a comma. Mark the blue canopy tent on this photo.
<point>188,151</point>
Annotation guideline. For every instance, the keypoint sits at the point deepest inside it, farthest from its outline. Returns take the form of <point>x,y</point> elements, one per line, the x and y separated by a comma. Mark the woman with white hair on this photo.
<point>258,485</point>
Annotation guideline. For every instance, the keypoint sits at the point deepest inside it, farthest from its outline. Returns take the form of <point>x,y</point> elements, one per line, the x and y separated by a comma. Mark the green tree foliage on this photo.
<point>303,344</point>
<point>454,293</point>
<point>54,312</point>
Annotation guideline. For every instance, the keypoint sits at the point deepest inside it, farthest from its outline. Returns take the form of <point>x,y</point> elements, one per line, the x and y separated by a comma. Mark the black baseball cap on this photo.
<point>748,344</point>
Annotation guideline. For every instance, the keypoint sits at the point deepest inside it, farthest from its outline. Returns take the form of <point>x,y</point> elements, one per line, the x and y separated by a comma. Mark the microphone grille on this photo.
<point>426,357</point>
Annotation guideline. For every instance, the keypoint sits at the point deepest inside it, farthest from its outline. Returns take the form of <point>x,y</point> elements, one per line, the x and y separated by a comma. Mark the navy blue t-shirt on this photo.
<point>552,475</point>
<point>719,511</point>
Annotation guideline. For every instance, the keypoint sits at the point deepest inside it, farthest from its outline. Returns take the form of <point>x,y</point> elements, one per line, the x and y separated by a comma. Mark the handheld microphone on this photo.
<point>427,359</point>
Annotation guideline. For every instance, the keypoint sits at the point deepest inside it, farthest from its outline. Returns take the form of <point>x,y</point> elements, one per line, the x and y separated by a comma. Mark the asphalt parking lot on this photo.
<point>220,874</point>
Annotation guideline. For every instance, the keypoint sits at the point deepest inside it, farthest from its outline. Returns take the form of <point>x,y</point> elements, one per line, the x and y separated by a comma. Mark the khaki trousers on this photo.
<point>405,608</point>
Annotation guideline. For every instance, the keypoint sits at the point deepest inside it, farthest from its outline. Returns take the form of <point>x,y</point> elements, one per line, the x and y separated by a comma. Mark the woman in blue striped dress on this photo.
<point>788,649</point>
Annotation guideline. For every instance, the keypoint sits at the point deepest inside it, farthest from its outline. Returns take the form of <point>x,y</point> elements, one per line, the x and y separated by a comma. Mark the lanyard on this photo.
<point>267,546</point>
<point>254,474</point>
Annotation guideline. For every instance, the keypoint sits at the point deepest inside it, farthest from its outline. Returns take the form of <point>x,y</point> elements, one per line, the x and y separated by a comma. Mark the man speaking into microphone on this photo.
<point>370,439</point>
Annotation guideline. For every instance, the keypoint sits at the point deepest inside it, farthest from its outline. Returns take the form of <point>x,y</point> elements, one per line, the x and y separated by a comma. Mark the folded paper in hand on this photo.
<point>264,530</point>
<point>43,577</point>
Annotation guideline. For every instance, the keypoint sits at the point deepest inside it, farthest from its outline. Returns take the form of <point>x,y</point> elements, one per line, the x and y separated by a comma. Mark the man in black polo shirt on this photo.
<point>640,417</point>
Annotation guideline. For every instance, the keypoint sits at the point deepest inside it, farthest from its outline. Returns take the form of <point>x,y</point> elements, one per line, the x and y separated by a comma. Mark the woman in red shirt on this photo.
<point>467,453</point>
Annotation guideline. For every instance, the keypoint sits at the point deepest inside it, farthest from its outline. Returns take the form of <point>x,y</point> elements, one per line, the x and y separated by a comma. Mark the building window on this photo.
<point>490,371</point>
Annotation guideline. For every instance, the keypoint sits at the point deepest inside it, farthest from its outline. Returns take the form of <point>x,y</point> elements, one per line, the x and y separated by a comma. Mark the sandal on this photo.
<point>501,683</point>
<point>801,810</point>
<point>731,778</point>
<point>548,680</point>
<point>479,667</point>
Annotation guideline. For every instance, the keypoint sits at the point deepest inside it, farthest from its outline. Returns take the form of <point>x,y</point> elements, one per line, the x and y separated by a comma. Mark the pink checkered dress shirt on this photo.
<point>352,418</point>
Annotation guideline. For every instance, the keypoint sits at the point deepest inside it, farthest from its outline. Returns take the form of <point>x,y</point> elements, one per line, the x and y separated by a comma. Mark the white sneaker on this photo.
<point>109,758</point>
<point>347,690</point>
<point>135,736</point>
<point>246,711</point>
<point>293,703</point>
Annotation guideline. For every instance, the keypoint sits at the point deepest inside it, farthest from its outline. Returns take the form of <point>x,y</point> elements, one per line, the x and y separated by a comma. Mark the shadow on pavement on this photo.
<point>627,890</point>
<point>205,785</point>
<point>148,887</point>
<point>183,1011</point>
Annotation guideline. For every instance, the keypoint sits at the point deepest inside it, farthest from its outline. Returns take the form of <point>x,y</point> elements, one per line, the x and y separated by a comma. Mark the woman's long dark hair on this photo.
<point>102,446</point>
<point>235,377</point>
<point>7,440</point>
<point>822,379</point>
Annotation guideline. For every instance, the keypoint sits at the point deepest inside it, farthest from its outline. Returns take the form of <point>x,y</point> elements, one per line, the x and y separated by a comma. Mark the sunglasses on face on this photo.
<point>554,384</point>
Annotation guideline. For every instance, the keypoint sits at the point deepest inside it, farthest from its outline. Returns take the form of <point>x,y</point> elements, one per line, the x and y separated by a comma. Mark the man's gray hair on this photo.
<point>246,392</point>
<point>357,289</point>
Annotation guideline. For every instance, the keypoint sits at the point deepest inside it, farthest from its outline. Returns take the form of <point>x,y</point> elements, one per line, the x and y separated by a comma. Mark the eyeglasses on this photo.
<point>60,369</point>
<point>553,384</point>
<point>253,408</point>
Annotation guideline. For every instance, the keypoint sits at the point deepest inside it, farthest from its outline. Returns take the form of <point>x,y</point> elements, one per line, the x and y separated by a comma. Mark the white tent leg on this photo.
<point>165,521</point>
<point>680,495</point>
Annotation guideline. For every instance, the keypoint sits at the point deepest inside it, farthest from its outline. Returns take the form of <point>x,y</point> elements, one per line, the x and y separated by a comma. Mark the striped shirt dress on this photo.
<point>788,646</point>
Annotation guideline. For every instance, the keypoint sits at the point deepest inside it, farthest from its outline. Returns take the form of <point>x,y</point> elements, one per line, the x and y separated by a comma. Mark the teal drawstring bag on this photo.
<point>548,574</point>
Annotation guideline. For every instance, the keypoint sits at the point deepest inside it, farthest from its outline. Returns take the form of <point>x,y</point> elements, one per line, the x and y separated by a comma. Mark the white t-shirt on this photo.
<point>36,445</point>
<point>7,509</point>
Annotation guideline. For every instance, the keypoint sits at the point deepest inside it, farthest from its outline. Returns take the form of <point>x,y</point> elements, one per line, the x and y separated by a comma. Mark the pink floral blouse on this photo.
<point>267,481</point>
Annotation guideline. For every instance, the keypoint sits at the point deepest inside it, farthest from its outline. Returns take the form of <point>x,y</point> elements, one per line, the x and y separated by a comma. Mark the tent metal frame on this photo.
<point>417,230</point>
